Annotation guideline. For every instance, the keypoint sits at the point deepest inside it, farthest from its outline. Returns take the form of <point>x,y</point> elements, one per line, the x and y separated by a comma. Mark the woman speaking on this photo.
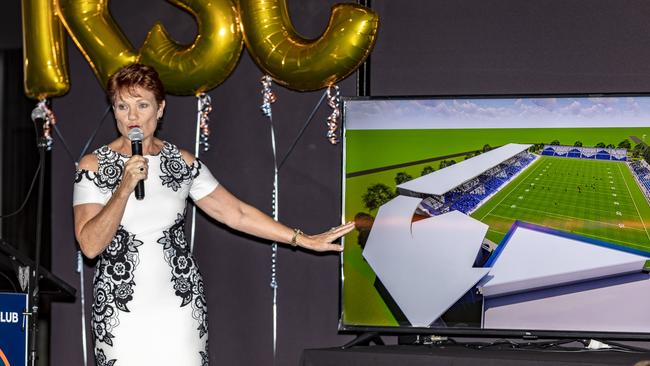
<point>149,304</point>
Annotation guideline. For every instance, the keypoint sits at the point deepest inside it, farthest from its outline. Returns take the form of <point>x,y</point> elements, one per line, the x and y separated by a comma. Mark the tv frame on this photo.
<point>471,332</point>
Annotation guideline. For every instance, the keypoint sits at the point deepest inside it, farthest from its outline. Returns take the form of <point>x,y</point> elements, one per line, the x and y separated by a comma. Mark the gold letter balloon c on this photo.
<point>303,64</point>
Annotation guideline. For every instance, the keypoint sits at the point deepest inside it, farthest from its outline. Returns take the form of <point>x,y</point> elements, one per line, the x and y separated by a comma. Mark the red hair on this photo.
<point>133,76</point>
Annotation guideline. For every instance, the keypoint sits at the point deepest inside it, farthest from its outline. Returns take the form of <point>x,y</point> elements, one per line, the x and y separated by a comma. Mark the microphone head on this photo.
<point>136,134</point>
<point>38,113</point>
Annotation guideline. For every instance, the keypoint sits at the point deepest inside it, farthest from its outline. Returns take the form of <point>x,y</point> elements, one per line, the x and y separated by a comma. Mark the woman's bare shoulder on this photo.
<point>89,162</point>
<point>187,156</point>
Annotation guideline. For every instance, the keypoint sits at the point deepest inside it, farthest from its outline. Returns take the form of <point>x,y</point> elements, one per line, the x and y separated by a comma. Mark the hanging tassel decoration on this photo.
<point>334,101</point>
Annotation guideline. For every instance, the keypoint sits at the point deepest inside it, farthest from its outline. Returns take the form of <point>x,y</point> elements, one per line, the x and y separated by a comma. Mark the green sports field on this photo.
<point>366,149</point>
<point>597,199</point>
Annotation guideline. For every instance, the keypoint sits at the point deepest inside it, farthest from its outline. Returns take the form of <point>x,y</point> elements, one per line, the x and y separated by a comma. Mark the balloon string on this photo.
<point>334,101</point>
<point>65,145</point>
<point>268,97</point>
<point>302,130</point>
<point>92,136</point>
<point>203,108</point>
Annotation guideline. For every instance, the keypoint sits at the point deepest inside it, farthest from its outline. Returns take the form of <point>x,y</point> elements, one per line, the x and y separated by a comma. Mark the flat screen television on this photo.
<point>521,216</point>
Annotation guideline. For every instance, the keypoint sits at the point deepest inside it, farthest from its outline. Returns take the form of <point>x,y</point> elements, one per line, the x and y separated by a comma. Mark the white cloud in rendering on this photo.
<point>497,113</point>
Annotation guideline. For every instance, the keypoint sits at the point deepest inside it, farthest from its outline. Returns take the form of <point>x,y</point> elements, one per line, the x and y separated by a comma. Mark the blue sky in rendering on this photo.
<point>498,113</point>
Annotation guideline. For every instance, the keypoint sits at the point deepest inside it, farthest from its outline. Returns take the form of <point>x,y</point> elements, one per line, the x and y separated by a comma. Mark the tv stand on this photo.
<point>461,355</point>
<point>421,339</point>
<point>364,339</point>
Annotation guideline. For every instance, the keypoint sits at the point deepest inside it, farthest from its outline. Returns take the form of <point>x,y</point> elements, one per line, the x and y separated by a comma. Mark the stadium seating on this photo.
<point>619,154</point>
<point>641,173</point>
<point>468,196</point>
<point>603,155</point>
<point>580,152</point>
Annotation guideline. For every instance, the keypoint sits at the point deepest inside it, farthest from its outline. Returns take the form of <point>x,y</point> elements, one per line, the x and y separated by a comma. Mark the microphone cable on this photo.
<point>41,162</point>
<point>31,186</point>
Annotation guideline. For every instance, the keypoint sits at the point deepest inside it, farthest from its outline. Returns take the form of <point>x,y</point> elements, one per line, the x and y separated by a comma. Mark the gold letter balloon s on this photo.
<point>300,63</point>
<point>44,52</point>
<point>209,60</point>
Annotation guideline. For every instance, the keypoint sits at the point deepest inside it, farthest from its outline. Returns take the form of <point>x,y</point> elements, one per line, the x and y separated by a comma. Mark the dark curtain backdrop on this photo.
<point>18,167</point>
<point>19,163</point>
<point>424,47</point>
<point>511,47</point>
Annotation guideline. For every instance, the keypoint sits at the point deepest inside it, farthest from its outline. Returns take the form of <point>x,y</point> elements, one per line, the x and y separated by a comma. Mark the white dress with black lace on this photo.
<point>149,305</point>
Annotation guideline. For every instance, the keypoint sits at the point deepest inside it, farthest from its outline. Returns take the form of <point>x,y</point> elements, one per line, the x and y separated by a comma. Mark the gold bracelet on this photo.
<point>294,240</point>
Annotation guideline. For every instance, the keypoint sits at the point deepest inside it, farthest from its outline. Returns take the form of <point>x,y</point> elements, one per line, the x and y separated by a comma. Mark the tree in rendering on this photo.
<point>377,195</point>
<point>402,177</point>
<point>427,169</point>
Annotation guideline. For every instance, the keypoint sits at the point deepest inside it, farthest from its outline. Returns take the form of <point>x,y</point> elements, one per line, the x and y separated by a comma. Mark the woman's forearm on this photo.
<point>224,207</point>
<point>96,233</point>
<point>254,222</point>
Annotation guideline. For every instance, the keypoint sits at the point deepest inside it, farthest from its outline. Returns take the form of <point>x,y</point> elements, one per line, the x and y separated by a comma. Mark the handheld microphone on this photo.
<point>136,136</point>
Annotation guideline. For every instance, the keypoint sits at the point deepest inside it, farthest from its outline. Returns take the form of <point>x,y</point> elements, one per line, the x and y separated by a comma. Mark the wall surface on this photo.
<point>511,47</point>
<point>424,47</point>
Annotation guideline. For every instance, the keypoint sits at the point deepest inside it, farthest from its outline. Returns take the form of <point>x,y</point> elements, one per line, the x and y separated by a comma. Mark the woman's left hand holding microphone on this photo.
<point>135,170</point>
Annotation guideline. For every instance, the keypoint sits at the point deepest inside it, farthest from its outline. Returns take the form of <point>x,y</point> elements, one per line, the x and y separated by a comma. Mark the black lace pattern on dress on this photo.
<point>81,173</point>
<point>100,358</point>
<point>109,172</point>
<point>196,167</point>
<point>114,283</point>
<point>188,283</point>
<point>204,355</point>
<point>175,171</point>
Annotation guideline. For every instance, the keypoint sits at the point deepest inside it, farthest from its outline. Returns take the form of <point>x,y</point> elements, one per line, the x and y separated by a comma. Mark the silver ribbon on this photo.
<point>203,121</point>
<point>42,111</point>
<point>203,109</point>
<point>334,101</point>
<point>80,270</point>
<point>268,98</point>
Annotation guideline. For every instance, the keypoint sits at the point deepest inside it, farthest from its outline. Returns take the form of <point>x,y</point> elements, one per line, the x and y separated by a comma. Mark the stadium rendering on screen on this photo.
<point>510,215</point>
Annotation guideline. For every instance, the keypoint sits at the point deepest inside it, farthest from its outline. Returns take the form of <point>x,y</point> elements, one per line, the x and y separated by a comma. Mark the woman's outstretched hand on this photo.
<point>323,242</point>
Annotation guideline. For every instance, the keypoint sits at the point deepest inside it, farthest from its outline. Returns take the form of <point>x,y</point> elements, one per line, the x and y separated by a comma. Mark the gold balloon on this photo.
<point>303,64</point>
<point>209,60</point>
<point>96,34</point>
<point>44,51</point>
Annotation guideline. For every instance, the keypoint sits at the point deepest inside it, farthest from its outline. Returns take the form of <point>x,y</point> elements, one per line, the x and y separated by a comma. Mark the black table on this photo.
<point>458,355</point>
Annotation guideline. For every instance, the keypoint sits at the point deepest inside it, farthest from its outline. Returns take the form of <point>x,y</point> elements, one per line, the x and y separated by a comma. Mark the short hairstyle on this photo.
<point>133,76</point>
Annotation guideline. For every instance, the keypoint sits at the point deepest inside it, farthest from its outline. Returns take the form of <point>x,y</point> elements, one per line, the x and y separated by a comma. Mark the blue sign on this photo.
<point>13,330</point>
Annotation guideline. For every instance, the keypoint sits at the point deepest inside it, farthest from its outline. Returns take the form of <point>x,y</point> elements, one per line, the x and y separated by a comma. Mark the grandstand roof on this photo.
<point>443,180</point>
<point>542,278</point>
<point>533,257</point>
<point>425,277</point>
